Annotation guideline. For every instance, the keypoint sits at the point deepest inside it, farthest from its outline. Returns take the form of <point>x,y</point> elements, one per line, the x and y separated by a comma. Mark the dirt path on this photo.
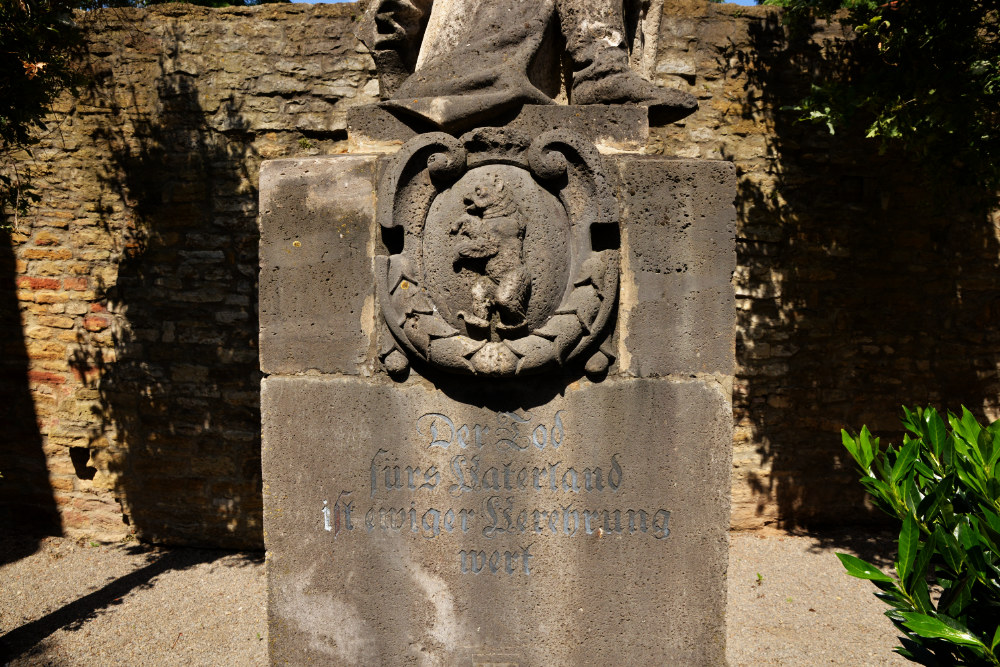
<point>72,603</point>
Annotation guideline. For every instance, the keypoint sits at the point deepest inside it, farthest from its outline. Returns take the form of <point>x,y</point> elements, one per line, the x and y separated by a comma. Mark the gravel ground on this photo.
<point>82,603</point>
<point>790,602</point>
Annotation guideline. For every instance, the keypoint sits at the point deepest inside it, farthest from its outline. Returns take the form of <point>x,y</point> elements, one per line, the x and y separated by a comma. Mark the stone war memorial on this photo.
<point>497,342</point>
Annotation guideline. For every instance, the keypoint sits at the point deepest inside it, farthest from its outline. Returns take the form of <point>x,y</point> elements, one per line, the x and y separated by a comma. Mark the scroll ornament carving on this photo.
<point>502,254</point>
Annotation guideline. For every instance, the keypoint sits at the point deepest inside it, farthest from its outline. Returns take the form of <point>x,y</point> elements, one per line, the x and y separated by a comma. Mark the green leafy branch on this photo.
<point>924,76</point>
<point>941,483</point>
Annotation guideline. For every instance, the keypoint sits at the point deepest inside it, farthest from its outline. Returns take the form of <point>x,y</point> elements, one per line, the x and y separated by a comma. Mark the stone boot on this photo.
<point>595,39</point>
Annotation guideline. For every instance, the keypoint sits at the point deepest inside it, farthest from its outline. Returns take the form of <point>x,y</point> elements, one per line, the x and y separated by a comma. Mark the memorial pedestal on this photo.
<point>555,519</point>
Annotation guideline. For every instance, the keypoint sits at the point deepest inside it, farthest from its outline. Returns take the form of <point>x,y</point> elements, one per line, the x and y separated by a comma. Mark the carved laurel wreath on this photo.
<point>563,164</point>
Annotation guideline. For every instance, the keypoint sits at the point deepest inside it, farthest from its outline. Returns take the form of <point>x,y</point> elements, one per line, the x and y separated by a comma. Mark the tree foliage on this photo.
<point>36,39</point>
<point>922,74</point>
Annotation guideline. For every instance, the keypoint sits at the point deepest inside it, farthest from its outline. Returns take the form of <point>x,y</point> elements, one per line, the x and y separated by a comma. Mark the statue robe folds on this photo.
<point>486,69</point>
<point>455,63</point>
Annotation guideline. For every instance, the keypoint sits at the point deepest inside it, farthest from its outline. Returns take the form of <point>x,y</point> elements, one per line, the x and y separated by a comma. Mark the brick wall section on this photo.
<point>135,278</point>
<point>136,275</point>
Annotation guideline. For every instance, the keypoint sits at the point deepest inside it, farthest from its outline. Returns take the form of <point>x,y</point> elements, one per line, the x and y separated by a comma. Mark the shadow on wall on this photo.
<point>27,506</point>
<point>180,421</point>
<point>871,283</point>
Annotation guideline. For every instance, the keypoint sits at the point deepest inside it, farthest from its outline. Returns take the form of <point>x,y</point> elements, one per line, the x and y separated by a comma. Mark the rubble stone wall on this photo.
<point>129,329</point>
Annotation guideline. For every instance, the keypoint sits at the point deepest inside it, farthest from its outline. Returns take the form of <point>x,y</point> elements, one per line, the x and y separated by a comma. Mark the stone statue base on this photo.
<point>612,128</point>
<point>574,517</point>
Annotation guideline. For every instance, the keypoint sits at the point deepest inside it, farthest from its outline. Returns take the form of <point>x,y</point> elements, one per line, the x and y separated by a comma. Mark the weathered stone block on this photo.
<point>316,280</point>
<point>467,525</point>
<point>678,310</point>
<point>478,521</point>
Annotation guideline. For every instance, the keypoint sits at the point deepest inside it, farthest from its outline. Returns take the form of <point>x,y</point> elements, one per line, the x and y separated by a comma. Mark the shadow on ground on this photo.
<point>877,546</point>
<point>31,636</point>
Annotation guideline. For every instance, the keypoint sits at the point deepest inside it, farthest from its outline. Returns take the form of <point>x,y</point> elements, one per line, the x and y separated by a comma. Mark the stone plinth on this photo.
<point>560,519</point>
<point>612,128</point>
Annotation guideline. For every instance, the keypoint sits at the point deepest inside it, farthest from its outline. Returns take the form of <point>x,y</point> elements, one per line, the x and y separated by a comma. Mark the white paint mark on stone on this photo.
<point>368,309</point>
<point>446,630</point>
<point>646,40</point>
<point>603,32</point>
<point>447,22</point>
<point>368,317</point>
<point>331,626</point>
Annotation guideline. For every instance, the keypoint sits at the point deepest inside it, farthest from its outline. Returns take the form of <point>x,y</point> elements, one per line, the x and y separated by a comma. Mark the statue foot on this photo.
<point>667,104</point>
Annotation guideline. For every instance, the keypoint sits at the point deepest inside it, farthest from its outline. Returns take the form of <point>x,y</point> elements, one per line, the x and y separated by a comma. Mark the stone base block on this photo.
<point>317,219</point>
<point>404,526</point>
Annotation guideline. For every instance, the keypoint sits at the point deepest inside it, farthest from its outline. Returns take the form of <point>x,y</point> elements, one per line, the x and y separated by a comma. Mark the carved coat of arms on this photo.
<point>501,253</point>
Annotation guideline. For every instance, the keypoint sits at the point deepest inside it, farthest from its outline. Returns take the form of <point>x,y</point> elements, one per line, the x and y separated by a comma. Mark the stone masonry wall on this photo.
<point>129,327</point>
<point>865,281</point>
<point>136,274</point>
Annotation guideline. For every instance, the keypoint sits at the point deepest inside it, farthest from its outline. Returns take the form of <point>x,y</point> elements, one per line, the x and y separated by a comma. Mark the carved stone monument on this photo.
<point>498,357</point>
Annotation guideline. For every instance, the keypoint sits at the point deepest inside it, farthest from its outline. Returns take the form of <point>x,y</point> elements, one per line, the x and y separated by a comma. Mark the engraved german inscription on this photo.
<point>494,488</point>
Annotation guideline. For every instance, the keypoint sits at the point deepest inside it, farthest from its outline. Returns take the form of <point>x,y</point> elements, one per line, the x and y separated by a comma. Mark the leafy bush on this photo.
<point>942,484</point>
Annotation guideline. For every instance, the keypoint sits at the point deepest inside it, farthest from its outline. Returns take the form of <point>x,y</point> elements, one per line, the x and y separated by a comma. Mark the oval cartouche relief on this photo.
<point>508,263</point>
